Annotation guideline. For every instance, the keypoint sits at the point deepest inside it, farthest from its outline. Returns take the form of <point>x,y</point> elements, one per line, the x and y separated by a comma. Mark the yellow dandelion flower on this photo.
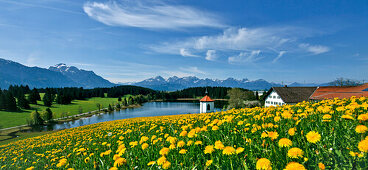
<point>291,131</point>
<point>144,146</point>
<point>190,143</point>
<point>183,151</point>
<point>326,116</point>
<point>164,151</point>
<point>161,160</point>
<point>151,163</point>
<point>264,135</point>
<point>285,142</point>
<point>198,143</point>
<point>263,164</point>
<point>228,150</point>
<point>113,168</point>
<point>273,135</point>
<point>313,137</point>
<point>183,133</point>
<point>363,145</point>
<point>363,117</point>
<point>215,128</point>
<point>361,129</point>
<point>347,117</point>
<point>180,144</point>
<point>294,166</point>
<point>209,149</point>
<point>31,168</point>
<point>295,153</point>
<point>239,150</point>
<point>209,162</point>
<point>166,165</point>
<point>219,145</point>
<point>119,162</point>
<point>86,160</point>
<point>172,146</point>
<point>321,166</point>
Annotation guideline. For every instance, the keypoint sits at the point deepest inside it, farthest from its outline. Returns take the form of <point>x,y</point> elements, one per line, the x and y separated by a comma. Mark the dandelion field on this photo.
<point>331,134</point>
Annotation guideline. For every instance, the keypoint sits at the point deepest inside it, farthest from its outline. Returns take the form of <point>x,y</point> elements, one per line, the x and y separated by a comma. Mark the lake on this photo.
<point>147,110</point>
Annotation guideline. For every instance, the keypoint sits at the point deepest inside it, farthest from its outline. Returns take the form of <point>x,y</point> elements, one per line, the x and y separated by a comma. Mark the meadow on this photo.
<point>331,134</point>
<point>10,119</point>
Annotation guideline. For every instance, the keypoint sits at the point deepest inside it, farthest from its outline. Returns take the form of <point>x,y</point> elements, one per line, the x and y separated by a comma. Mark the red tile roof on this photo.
<point>206,99</point>
<point>330,92</point>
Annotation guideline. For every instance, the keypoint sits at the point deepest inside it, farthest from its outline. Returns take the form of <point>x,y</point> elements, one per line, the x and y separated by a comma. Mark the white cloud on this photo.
<point>184,52</point>
<point>315,49</point>
<point>281,53</point>
<point>153,15</point>
<point>192,70</point>
<point>211,55</point>
<point>245,57</point>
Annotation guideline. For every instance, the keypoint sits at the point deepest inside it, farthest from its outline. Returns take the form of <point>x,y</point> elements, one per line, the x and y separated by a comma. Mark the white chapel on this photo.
<point>207,104</point>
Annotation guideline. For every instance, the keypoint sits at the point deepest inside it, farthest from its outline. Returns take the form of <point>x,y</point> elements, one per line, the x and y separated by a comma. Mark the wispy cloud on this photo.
<point>151,15</point>
<point>245,57</point>
<point>43,6</point>
<point>273,41</point>
<point>315,49</point>
<point>192,70</point>
<point>281,53</point>
<point>185,53</point>
<point>211,55</point>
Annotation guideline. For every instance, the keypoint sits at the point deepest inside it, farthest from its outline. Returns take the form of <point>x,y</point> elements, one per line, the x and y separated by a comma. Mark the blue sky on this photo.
<point>280,41</point>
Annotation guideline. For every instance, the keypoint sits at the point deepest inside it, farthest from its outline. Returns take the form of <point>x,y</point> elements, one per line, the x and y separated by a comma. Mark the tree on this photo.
<point>124,103</point>
<point>10,102</point>
<point>36,118</point>
<point>110,108</point>
<point>47,115</point>
<point>23,103</point>
<point>238,97</point>
<point>119,99</point>
<point>2,100</point>
<point>117,106</point>
<point>34,96</point>
<point>48,98</point>
<point>98,105</point>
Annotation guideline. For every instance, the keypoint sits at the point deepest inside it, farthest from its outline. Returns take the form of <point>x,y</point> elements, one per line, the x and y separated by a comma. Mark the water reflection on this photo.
<point>147,110</point>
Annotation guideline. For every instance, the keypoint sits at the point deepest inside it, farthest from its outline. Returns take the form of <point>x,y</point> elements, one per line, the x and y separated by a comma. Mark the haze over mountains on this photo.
<point>61,75</point>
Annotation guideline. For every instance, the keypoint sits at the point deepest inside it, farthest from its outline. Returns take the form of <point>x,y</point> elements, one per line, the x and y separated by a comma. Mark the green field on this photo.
<point>10,119</point>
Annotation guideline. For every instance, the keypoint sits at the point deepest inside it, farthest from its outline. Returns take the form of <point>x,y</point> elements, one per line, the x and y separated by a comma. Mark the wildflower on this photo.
<point>161,160</point>
<point>326,116</point>
<point>363,145</point>
<point>209,149</point>
<point>189,143</point>
<point>172,146</point>
<point>263,163</point>
<point>86,160</point>
<point>321,166</point>
<point>295,153</point>
<point>215,128</point>
<point>198,143</point>
<point>361,129</point>
<point>313,137</point>
<point>144,146</point>
<point>166,165</point>
<point>151,163</point>
<point>264,135</point>
<point>347,117</point>
<point>183,151</point>
<point>291,131</point>
<point>219,145</point>
<point>294,166</point>
<point>276,118</point>
<point>133,144</point>
<point>239,150</point>
<point>31,168</point>
<point>113,168</point>
<point>285,142</point>
<point>273,135</point>
<point>228,150</point>
<point>351,153</point>
<point>181,144</point>
<point>209,162</point>
<point>120,161</point>
<point>363,117</point>
<point>164,151</point>
<point>183,133</point>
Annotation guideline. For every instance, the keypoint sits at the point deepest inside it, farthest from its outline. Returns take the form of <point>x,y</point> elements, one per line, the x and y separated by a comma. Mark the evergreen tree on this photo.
<point>36,118</point>
<point>48,98</point>
<point>119,99</point>
<point>34,96</point>
<point>257,95</point>
<point>98,105</point>
<point>10,102</point>
<point>124,102</point>
<point>118,106</point>
<point>110,108</point>
<point>2,100</point>
<point>47,115</point>
<point>23,103</point>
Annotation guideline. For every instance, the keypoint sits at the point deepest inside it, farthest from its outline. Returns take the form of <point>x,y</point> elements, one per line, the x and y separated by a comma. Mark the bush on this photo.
<point>47,115</point>
<point>36,118</point>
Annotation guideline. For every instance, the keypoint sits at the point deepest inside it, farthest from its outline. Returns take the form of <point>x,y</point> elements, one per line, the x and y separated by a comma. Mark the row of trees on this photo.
<point>38,118</point>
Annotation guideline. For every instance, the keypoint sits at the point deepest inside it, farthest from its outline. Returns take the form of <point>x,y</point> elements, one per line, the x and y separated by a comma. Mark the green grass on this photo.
<point>10,119</point>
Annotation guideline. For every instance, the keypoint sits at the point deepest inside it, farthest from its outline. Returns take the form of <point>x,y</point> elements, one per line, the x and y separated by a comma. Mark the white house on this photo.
<point>278,96</point>
<point>207,104</point>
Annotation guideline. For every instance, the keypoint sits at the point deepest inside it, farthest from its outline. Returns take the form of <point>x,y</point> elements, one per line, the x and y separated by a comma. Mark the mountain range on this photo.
<point>60,75</point>
<point>176,83</point>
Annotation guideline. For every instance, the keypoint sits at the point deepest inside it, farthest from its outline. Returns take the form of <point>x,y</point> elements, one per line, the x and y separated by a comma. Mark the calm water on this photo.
<point>147,110</point>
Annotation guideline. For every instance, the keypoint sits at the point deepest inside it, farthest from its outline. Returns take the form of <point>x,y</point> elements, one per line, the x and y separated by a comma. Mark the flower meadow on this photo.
<point>330,134</point>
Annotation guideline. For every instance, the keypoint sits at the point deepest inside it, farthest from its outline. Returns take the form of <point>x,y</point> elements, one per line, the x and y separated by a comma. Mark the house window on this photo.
<point>274,97</point>
<point>208,107</point>
<point>271,102</point>
<point>278,97</point>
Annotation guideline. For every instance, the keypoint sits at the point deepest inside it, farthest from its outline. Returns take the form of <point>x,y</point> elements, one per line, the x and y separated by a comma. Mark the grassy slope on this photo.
<point>10,119</point>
